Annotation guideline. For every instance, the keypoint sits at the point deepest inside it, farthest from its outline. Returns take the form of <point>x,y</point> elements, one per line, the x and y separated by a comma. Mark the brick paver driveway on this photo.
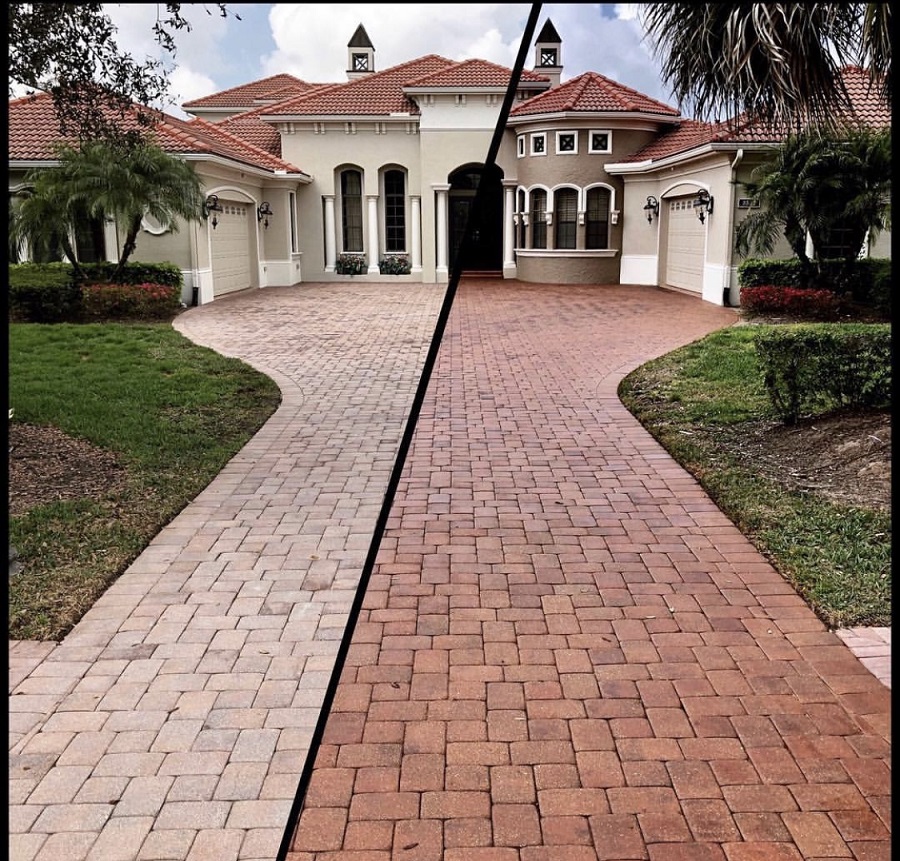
<point>567,652</point>
<point>173,722</point>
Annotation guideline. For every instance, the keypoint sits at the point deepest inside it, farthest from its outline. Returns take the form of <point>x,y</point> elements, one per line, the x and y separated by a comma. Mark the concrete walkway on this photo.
<point>566,652</point>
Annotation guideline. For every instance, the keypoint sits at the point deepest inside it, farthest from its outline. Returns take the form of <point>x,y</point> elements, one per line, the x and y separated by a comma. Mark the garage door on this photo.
<point>685,246</point>
<point>231,248</point>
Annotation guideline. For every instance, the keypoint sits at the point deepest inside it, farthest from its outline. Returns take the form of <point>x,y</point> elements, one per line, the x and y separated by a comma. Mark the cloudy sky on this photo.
<point>310,40</point>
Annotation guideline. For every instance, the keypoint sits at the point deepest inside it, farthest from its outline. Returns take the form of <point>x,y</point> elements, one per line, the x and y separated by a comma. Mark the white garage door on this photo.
<point>231,248</point>
<point>685,246</point>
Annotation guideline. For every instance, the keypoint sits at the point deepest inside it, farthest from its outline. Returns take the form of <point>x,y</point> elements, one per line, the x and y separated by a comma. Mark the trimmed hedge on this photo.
<point>809,369</point>
<point>49,293</point>
<point>146,301</point>
<point>42,293</point>
<point>793,301</point>
<point>866,281</point>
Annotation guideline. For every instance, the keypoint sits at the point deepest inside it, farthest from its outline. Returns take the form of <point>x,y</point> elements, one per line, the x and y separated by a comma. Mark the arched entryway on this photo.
<point>484,253</point>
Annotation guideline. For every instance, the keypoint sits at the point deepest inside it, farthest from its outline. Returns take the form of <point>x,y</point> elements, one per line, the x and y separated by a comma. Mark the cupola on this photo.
<point>548,53</point>
<point>360,55</point>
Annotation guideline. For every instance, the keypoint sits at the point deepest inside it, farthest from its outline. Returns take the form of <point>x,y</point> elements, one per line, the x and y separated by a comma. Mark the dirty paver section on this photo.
<point>566,650</point>
<point>173,722</point>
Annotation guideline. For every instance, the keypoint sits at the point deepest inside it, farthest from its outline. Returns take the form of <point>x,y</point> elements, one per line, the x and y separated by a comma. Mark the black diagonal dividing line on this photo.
<point>405,443</point>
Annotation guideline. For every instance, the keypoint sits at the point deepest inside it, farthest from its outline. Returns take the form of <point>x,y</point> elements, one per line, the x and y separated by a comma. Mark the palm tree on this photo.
<point>778,62</point>
<point>834,189</point>
<point>98,180</point>
<point>44,218</point>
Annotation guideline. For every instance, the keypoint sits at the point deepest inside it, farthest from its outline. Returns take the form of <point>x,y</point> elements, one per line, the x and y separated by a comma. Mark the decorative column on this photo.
<point>415,206</point>
<point>372,204</point>
<point>443,202</point>
<point>330,239</point>
<point>509,228</point>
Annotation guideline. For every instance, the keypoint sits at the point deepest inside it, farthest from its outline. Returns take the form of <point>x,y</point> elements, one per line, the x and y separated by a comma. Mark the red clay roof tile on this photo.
<point>245,95</point>
<point>591,92</point>
<point>34,129</point>
<point>474,73</point>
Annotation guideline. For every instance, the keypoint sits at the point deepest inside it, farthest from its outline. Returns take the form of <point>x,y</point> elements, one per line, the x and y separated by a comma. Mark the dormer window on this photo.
<point>548,57</point>
<point>360,63</point>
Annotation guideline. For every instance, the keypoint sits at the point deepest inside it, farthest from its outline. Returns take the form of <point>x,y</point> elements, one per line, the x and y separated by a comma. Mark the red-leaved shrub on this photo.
<point>790,301</point>
<point>146,301</point>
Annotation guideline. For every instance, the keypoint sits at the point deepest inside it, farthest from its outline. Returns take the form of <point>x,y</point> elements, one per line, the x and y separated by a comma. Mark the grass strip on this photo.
<point>172,412</point>
<point>695,401</point>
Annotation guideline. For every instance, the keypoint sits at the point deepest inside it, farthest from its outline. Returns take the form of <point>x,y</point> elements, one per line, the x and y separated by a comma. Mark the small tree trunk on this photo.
<point>128,247</point>
<point>77,271</point>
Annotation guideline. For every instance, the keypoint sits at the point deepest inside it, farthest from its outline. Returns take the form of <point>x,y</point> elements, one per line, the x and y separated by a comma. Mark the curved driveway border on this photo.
<point>566,650</point>
<point>173,721</point>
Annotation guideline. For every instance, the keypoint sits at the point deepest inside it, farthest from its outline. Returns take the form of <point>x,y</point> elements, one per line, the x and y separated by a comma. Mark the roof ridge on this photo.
<point>225,92</point>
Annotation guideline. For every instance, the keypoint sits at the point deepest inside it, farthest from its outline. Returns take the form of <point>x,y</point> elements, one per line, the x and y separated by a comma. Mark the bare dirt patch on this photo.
<point>843,457</point>
<point>47,465</point>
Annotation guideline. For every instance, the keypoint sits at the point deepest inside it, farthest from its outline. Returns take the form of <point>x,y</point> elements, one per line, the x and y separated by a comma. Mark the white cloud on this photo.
<point>311,39</point>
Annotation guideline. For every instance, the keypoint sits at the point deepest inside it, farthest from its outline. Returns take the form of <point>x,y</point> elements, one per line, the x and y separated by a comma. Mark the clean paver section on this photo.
<point>566,650</point>
<point>173,722</point>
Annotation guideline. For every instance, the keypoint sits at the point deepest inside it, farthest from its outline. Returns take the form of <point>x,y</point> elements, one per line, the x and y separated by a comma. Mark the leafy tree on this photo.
<point>99,179</point>
<point>778,62</point>
<point>69,50</point>
<point>836,189</point>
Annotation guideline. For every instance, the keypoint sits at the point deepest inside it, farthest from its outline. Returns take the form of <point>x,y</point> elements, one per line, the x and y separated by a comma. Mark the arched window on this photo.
<point>351,210</point>
<point>597,218</point>
<point>565,208</point>
<point>394,211</point>
<point>538,218</point>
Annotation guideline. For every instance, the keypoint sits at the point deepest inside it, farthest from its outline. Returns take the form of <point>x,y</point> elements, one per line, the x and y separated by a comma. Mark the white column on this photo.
<point>415,206</point>
<point>330,238</point>
<point>509,228</point>
<point>372,202</point>
<point>443,203</point>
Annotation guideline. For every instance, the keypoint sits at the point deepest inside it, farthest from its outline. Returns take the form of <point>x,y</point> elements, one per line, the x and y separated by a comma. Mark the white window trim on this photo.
<point>609,138</point>
<point>534,137</point>
<point>559,151</point>
<point>520,146</point>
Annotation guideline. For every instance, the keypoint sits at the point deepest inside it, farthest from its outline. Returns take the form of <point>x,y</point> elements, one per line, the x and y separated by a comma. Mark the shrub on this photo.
<point>350,264</point>
<point>866,281</point>
<point>792,301</point>
<point>135,273</point>
<point>42,293</point>
<point>395,264</point>
<point>146,301</point>
<point>808,369</point>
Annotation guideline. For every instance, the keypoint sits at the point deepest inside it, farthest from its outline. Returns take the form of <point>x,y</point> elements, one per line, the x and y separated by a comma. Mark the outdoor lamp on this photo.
<point>212,206</point>
<point>651,207</point>
<point>263,211</point>
<point>703,204</point>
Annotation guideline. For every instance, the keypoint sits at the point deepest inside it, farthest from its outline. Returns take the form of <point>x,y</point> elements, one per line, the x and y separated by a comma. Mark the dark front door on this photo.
<point>484,251</point>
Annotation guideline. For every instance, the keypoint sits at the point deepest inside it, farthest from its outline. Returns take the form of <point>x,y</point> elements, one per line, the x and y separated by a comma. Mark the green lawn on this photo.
<point>172,412</point>
<point>699,397</point>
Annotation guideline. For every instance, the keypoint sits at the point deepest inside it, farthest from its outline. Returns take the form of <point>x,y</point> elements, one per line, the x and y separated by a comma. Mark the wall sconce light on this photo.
<point>211,205</point>
<point>651,207</point>
<point>703,204</point>
<point>263,211</point>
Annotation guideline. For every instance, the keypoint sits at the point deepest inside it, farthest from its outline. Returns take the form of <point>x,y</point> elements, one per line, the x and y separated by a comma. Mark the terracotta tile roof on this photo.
<point>34,129</point>
<point>246,95</point>
<point>380,93</point>
<point>591,92</point>
<point>474,73</point>
<point>288,93</point>
<point>868,107</point>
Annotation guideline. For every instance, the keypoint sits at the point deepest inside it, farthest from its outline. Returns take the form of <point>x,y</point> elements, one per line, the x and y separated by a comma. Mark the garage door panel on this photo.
<point>231,248</point>
<point>686,246</point>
